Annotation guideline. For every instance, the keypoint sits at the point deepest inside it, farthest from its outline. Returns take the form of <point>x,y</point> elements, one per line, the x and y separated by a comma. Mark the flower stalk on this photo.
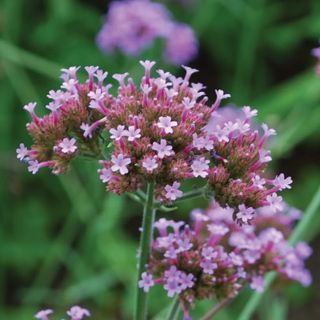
<point>174,308</point>
<point>144,250</point>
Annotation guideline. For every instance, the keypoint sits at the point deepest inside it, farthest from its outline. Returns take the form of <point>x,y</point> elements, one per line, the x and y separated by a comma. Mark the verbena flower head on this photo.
<point>133,25</point>
<point>160,129</point>
<point>181,44</point>
<point>215,257</point>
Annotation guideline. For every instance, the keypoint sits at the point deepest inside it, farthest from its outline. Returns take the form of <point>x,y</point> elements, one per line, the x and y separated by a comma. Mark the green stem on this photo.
<point>174,308</point>
<point>300,232</point>
<point>144,250</point>
<point>192,194</point>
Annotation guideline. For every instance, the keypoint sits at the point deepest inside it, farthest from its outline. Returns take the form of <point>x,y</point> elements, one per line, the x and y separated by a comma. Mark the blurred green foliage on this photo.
<point>64,240</point>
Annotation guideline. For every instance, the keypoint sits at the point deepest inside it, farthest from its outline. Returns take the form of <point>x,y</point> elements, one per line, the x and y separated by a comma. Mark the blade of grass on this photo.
<point>296,131</point>
<point>299,90</point>
<point>28,60</point>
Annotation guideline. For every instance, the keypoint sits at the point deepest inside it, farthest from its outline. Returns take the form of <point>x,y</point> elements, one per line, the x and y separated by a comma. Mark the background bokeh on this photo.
<point>63,240</point>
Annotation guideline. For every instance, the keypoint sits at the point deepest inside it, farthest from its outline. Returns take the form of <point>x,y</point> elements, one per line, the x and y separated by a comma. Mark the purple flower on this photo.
<point>91,70</point>
<point>70,73</point>
<point>200,142</point>
<point>281,182</point>
<point>162,224</point>
<point>97,95</point>
<point>176,225</point>
<point>275,202</point>
<point>303,250</point>
<point>77,313</point>
<point>68,145</point>
<point>243,256</point>
<point>147,64</point>
<point>30,107</point>
<point>172,191</point>
<point>264,156</point>
<point>251,256</point>
<point>43,314</point>
<point>120,163</point>
<point>87,130</point>
<point>162,149</point>
<point>245,214</point>
<point>186,280</point>
<point>172,273</point>
<point>181,44</point>
<point>218,229</point>
<point>172,285</point>
<point>236,259</point>
<point>133,133</point>
<point>22,152</point>
<point>188,103</point>
<point>257,284</point>
<point>258,181</point>
<point>117,133</point>
<point>171,253</point>
<point>221,95</point>
<point>184,245</point>
<point>160,127</point>
<point>200,167</point>
<point>105,174</point>
<point>133,26</point>
<point>208,266</point>
<point>271,235</point>
<point>249,113</point>
<point>316,52</point>
<point>34,166</point>
<point>146,281</point>
<point>209,253</point>
<point>150,164</point>
<point>166,124</point>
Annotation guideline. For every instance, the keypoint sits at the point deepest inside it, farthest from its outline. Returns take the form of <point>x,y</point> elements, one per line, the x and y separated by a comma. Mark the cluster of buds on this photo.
<point>161,130</point>
<point>215,257</point>
<point>316,53</point>
<point>132,26</point>
<point>74,313</point>
<point>58,136</point>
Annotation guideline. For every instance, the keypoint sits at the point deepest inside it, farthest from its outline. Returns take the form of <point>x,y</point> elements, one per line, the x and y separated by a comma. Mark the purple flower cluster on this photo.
<point>214,256</point>
<point>133,25</point>
<point>162,130</point>
<point>74,313</point>
<point>316,53</point>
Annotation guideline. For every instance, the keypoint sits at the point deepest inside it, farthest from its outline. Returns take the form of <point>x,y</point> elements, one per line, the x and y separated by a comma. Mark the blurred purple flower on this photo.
<point>316,53</point>
<point>132,26</point>
<point>181,45</point>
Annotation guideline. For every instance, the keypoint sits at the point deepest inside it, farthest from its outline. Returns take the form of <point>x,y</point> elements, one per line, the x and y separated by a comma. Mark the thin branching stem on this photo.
<point>144,250</point>
<point>174,309</point>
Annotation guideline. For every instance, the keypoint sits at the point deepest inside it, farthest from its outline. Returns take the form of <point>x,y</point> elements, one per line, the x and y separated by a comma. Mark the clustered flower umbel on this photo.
<point>215,257</point>
<point>160,130</point>
<point>133,26</point>
<point>74,313</point>
<point>316,53</point>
